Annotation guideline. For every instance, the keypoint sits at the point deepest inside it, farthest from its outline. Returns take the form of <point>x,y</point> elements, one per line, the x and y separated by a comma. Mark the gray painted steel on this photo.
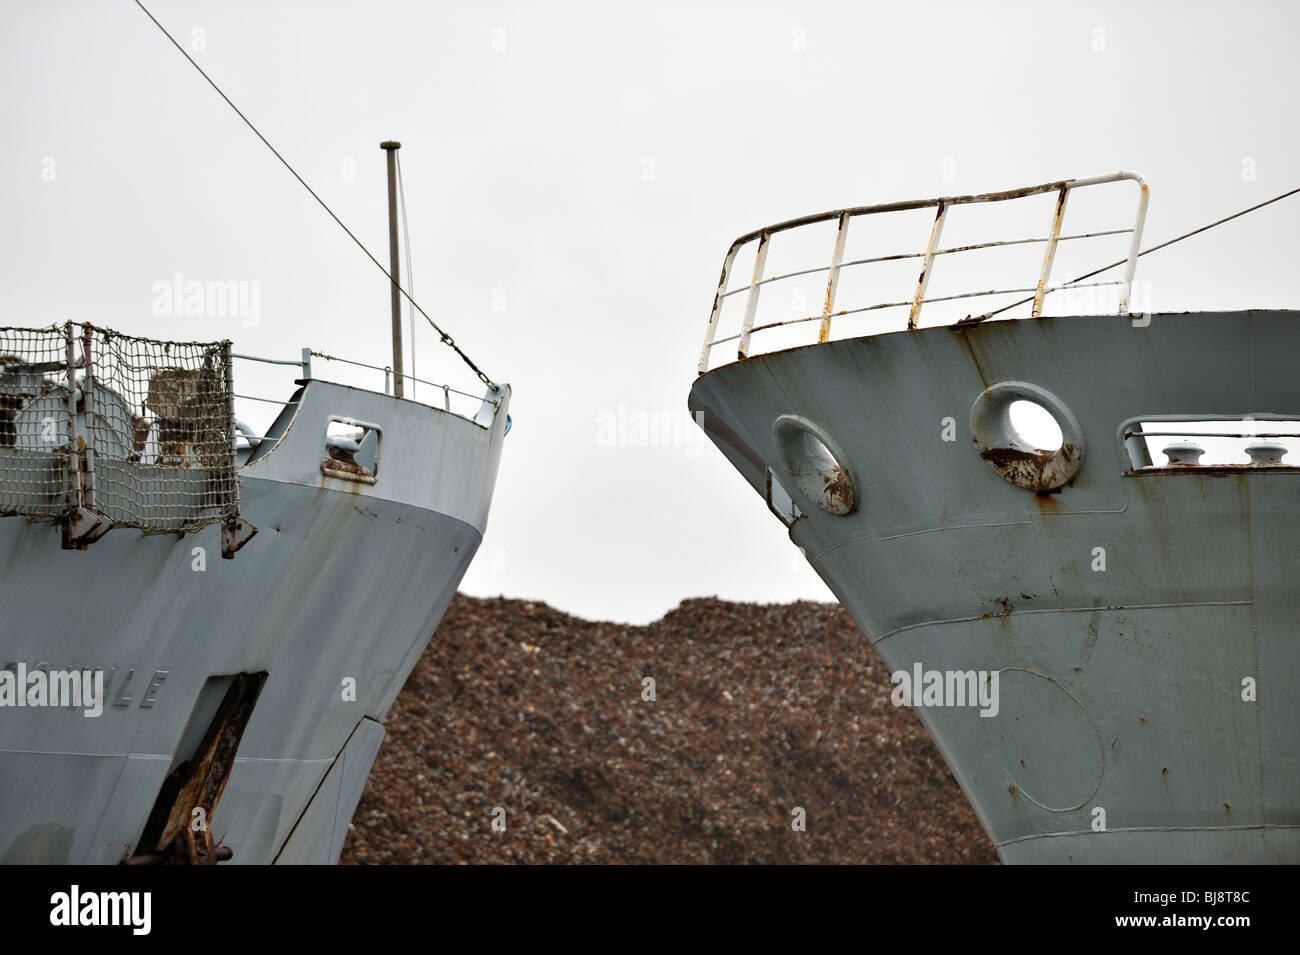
<point>343,580</point>
<point>319,836</point>
<point>1120,689</point>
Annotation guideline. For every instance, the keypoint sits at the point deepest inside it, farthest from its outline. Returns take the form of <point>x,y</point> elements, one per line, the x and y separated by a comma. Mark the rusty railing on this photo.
<point>836,265</point>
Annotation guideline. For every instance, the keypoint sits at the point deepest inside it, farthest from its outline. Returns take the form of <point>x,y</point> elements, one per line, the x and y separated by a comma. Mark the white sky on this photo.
<point>586,165</point>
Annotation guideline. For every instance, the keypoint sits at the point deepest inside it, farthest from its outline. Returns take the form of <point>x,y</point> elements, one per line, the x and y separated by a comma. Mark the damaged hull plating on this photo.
<point>1142,622</point>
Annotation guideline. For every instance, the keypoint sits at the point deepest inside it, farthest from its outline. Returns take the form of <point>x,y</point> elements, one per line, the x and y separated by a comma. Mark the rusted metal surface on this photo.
<point>339,462</point>
<point>1035,470</point>
<point>838,492</point>
<point>1134,248</point>
<point>179,830</point>
<point>1183,453</point>
<point>1003,449</point>
<point>841,236</point>
<point>755,285</point>
<point>716,311</point>
<point>1044,276</point>
<point>1211,434</point>
<point>834,491</point>
<point>816,465</point>
<point>1124,612</point>
<point>1037,292</point>
<point>928,266</point>
<point>1266,454</point>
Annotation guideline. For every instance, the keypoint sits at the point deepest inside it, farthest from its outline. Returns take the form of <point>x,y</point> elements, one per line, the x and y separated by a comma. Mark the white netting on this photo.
<point>134,430</point>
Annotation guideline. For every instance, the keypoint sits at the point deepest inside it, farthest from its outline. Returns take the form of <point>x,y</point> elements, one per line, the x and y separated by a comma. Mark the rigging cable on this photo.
<point>410,275</point>
<point>446,339</point>
<point>1154,248</point>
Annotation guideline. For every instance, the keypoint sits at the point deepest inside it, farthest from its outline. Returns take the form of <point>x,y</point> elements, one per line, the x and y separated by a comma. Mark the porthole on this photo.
<point>815,465</point>
<point>1035,425</point>
<point>1010,436</point>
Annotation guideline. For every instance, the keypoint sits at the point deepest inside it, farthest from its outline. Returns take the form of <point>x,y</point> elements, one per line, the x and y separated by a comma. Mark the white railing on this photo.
<point>836,266</point>
<point>461,403</point>
<point>260,398</point>
<point>443,393</point>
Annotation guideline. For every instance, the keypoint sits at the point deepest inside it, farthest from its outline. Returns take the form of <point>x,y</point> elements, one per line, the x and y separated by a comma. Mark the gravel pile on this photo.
<point>522,714</point>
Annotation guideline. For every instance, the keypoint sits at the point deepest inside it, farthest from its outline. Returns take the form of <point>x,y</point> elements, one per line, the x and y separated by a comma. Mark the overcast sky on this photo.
<point>574,174</point>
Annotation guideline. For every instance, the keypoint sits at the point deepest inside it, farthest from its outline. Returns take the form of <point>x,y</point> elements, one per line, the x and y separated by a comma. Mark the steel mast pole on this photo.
<point>391,148</point>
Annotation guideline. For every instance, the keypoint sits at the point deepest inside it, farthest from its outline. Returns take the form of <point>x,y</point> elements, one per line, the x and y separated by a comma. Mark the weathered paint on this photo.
<point>1127,681</point>
<point>941,206</point>
<point>196,785</point>
<point>344,581</point>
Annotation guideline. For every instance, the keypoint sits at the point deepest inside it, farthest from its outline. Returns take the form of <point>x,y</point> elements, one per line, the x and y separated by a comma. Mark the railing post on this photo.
<point>1044,274</point>
<point>88,403</point>
<point>306,363</point>
<point>841,236</point>
<point>717,310</point>
<point>923,282</point>
<point>74,467</point>
<point>235,531</point>
<point>232,427</point>
<point>1135,246</point>
<point>751,302</point>
<point>1041,290</point>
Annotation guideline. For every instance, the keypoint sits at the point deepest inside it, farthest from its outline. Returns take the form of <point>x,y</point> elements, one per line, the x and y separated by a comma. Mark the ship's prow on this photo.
<point>1099,634</point>
<point>243,698</point>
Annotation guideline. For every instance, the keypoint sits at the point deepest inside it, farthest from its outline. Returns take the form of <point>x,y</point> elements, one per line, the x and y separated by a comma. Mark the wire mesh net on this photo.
<point>137,431</point>
<point>36,460</point>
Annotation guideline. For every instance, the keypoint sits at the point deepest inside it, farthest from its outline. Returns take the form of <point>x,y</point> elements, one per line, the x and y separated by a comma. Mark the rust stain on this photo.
<point>1210,470</point>
<point>1005,605</point>
<point>340,459</point>
<point>197,784</point>
<point>1038,470</point>
<point>839,492</point>
<point>970,350</point>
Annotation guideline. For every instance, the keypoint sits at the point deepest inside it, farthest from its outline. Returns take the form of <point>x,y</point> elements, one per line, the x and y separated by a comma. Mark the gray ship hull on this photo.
<point>1121,686</point>
<point>342,586</point>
